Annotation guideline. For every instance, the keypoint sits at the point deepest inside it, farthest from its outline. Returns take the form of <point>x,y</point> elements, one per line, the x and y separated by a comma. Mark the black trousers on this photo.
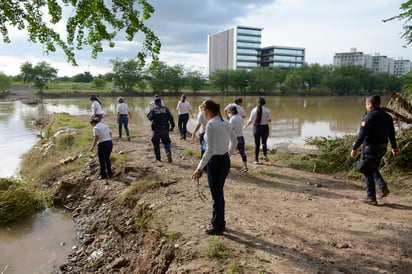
<point>104,149</point>
<point>217,171</point>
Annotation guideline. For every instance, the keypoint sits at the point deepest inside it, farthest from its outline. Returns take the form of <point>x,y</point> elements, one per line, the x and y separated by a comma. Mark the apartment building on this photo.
<point>240,48</point>
<point>377,62</point>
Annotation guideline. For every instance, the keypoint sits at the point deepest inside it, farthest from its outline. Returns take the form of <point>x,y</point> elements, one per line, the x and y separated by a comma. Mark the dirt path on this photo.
<point>279,220</point>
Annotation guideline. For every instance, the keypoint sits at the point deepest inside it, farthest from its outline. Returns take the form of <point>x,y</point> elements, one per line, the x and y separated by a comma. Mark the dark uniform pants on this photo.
<point>260,132</point>
<point>375,153</point>
<point>217,171</point>
<point>104,149</point>
<point>160,134</point>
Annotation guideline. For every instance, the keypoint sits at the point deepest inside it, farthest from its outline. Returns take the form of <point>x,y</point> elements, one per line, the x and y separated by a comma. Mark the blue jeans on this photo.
<point>375,153</point>
<point>104,149</point>
<point>217,171</point>
<point>160,134</point>
<point>123,121</point>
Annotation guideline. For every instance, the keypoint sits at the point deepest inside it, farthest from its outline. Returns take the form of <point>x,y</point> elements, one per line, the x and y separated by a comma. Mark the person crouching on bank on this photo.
<point>102,137</point>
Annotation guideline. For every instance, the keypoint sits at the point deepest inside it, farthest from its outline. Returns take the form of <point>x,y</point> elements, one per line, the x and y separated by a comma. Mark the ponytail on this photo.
<point>261,102</point>
<point>213,107</point>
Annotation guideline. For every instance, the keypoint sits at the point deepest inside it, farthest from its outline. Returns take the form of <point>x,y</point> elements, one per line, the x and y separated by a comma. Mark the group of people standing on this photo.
<point>219,136</point>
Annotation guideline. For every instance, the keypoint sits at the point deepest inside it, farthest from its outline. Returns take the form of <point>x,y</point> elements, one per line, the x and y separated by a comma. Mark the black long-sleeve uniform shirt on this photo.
<point>161,117</point>
<point>377,127</point>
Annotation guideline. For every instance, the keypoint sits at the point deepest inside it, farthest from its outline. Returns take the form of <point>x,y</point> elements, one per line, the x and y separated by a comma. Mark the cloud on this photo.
<point>323,27</point>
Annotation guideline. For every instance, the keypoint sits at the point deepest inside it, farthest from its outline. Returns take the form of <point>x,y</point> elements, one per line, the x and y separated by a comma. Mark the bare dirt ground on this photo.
<point>149,218</point>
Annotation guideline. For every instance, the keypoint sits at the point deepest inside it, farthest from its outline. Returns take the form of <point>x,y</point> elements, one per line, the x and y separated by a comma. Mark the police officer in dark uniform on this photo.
<point>162,122</point>
<point>376,129</point>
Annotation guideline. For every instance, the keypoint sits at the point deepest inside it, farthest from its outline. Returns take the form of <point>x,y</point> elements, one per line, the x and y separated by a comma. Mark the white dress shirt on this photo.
<point>265,115</point>
<point>103,131</point>
<point>183,107</point>
<point>237,123</point>
<point>220,139</point>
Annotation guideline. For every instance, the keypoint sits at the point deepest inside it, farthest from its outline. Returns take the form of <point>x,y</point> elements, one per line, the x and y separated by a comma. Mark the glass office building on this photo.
<point>240,48</point>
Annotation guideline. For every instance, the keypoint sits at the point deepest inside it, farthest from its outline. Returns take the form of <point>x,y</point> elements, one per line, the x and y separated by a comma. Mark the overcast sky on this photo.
<point>322,27</point>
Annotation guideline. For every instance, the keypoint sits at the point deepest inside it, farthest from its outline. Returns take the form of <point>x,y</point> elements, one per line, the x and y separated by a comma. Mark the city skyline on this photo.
<point>323,28</point>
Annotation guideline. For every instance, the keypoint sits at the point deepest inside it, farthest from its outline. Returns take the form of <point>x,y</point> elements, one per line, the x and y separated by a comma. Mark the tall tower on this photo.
<point>235,48</point>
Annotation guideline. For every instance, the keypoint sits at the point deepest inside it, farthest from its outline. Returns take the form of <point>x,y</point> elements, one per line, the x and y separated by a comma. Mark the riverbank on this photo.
<point>150,218</point>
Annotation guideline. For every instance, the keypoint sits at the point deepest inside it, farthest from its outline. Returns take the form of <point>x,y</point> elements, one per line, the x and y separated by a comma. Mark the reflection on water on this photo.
<point>17,135</point>
<point>293,118</point>
<point>38,244</point>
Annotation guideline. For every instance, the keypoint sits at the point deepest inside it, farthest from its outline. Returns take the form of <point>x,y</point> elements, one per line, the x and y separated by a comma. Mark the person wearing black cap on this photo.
<point>162,122</point>
<point>102,137</point>
<point>97,108</point>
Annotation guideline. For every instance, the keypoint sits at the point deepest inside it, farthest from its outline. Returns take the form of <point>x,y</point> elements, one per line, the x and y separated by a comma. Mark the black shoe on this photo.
<point>369,201</point>
<point>385,192</point>
<point>102,177</point>
<point>169,157</point>
<point>213,231</point>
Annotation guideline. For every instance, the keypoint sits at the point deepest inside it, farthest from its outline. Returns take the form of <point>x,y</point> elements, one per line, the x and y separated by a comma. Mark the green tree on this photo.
<point>39,75</point>
<point>294,80</point>
<point>220,79</point>
<point>195,80</point>
<point>157,76</point>
<point>90,23</point>
<point>127,73</point>
<point>262,79</point>
<point>174,77</point>
<point>85,77</point>
<point>406,15</point>
<point>5,82</point>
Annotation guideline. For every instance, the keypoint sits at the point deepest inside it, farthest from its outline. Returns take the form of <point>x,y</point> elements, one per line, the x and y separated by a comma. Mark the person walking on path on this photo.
<point>220,143</point>
<point>238,104</point>
<point>97,108</point>
<point>375,131</point>
<point>183,109</point>
<point>200,126</point>
<point>237,123</point>
<point>102,137</point>
<point>123,115</point>
<point>260,117</point>
<point>162,123</point>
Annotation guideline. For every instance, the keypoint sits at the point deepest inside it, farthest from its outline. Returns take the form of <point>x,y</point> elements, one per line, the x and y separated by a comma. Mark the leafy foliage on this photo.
<point>17,201</point>
<point>406,15</point>
<point>40,74</point>
<point>90,23</point>
<point>336,153</point>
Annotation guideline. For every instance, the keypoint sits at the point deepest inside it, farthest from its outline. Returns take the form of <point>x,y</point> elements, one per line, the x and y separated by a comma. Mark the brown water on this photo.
<point>38,245</point>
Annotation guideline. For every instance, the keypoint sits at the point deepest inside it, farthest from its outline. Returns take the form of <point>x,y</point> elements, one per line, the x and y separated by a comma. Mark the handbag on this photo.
<point>364,165</point>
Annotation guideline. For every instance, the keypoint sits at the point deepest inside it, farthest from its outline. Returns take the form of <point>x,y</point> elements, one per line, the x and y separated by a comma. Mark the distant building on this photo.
<point>401,67</point>
<point>377,63</point>
<point>240,48</point>
<point>354,57</point>
<point>236,48</point>
<point>282,57</point>
<point>381,63</point>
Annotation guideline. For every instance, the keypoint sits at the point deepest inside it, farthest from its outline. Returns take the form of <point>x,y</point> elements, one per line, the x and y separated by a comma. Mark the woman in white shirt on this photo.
<point>260,117</point>
<point>123,115</point>
<point>200,126</point>
<point>220,143</point>
<point>97,108</point>
<point>183,109</point>
<point>102,137</point>
<point>237,123</point>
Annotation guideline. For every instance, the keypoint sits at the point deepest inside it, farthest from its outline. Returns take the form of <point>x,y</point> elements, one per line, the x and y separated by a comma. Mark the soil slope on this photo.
<point>150,218</point>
